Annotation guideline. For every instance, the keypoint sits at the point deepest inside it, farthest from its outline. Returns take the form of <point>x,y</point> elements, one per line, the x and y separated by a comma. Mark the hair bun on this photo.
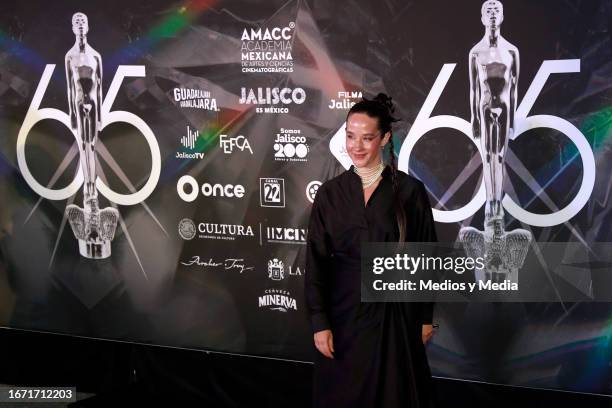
<point>385,100</point>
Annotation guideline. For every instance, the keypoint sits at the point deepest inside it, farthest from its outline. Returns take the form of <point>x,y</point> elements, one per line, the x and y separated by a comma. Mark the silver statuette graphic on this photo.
<point>92,226</point>
<point>494,72</point>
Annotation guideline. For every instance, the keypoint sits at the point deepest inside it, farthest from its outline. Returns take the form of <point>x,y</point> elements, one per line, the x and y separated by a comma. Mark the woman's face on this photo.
<point>364,140</point>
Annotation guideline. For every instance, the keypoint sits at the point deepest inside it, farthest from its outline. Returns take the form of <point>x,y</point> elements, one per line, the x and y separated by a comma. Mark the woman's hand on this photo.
<point>324,342</point>
<point>427,332</point>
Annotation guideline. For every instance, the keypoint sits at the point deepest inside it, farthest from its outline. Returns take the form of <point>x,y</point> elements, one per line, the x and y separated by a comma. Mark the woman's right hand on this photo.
<point>324,342</point>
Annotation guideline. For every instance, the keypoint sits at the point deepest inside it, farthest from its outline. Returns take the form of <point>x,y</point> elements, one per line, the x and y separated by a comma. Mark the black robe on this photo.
<point>379,358</point>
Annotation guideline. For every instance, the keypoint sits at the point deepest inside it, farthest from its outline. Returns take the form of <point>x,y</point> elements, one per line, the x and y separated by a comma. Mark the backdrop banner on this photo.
<point>159,161</point>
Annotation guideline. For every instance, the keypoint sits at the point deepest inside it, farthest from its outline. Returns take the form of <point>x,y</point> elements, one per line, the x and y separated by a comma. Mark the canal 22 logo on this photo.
<point>424,122</point>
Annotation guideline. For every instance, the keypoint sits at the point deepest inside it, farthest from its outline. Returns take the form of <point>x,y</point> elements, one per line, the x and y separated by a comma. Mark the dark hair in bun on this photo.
<point>382,108</point>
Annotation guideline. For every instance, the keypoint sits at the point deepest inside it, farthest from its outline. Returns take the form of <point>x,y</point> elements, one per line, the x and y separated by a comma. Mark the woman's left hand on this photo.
<point>427,332</point>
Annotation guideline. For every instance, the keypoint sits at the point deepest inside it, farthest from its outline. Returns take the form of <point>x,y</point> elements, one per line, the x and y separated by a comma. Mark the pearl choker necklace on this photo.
<point>369,176</point>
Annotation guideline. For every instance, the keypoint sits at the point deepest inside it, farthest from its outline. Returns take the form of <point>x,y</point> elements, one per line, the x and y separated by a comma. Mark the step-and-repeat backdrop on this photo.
<point>159,160</point>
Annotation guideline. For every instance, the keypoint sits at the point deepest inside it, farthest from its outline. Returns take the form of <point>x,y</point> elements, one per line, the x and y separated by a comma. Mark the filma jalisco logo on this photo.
<point>498,79</point>
<point>89,114</point>
<point>345,100</point>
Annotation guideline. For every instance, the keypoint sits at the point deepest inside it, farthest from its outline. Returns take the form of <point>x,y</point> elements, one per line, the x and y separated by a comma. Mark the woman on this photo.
<point>369,354</point>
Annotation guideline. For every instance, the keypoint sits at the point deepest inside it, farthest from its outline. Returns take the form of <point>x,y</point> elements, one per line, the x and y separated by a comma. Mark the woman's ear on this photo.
<point>385,139</point>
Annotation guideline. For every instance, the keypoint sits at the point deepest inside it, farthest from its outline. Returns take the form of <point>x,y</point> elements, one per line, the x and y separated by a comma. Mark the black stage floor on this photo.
<point>123,374</point>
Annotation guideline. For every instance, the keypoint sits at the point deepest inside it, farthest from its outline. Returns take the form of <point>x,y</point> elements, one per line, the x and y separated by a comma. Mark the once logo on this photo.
<point>311,190</point>
<point>272,192</point>
<point>207,189</point>
<point>187,229</point>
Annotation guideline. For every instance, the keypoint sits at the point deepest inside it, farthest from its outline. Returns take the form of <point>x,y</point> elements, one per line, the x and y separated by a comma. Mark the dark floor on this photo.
<point>122,374</point>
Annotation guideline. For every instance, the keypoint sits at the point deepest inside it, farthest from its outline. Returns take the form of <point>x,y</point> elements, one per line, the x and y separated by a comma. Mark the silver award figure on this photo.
<point>494,72</point>
<point>94,228</point>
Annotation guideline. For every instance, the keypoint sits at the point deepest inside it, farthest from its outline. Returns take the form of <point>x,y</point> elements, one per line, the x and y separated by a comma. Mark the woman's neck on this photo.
<point>370,168</point>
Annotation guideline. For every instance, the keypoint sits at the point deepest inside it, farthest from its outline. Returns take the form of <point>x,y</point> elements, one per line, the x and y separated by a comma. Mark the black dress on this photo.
<point>379,358</point>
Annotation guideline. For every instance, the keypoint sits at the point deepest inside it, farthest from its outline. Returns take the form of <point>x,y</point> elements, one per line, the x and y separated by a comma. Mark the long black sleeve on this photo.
<point>425,232</point>
<point>317,266</point>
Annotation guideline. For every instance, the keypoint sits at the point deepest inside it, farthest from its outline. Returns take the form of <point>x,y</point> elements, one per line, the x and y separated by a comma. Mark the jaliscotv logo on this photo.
<point>268,98</point>
<point>277,299</point>
<point>290,146</point>
<point>189,141</point>
<point>207,230</point>
<point>194,99</point>
<point>187,188</point>
<point>345,100</point>
<point>277,270</point>
<point>267,49</point>
<point>229,144</point>
<point>282,235</point>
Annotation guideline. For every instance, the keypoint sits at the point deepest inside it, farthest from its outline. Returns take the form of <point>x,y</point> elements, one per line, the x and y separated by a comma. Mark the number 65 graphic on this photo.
<point>424,122</point>
<point>35,115</point>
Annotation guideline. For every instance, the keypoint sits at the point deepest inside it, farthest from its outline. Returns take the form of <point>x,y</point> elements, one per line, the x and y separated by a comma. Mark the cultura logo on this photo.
<point>206,230</point>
